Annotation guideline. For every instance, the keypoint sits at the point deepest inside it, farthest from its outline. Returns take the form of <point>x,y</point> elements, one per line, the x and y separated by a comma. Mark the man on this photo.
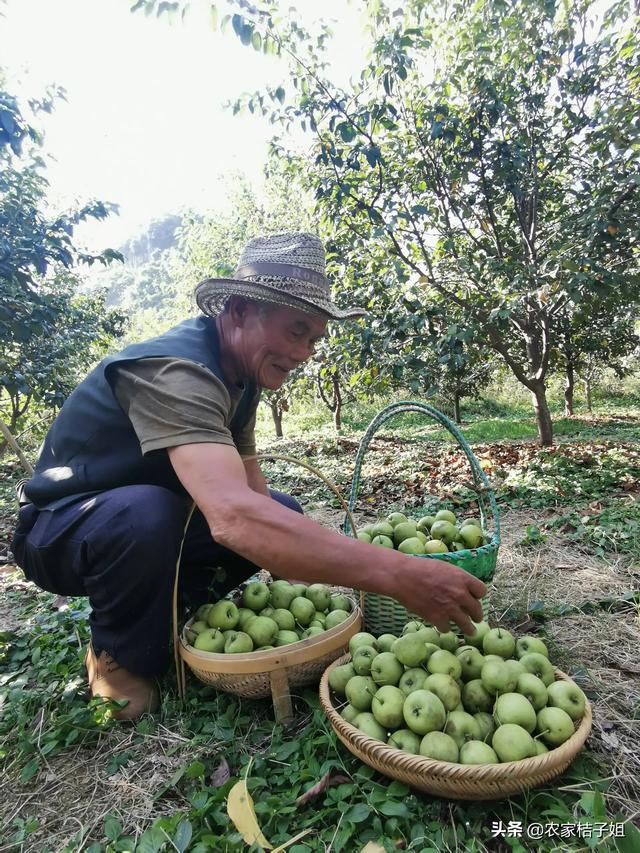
<point>170,421</point>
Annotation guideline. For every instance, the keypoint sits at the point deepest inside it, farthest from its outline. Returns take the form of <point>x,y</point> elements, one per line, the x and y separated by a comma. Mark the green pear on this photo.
<point>360,691</point>
<point>362,638</point>
<point>443,661</point>
<point>340,602</point>
<point>497,641</point>
<point>462,727</point>
<point>403,530</point>
<point>385,641</point>
<point>554,725</point>
<point>410,650</point>
<point>476,639</point>
<point>386,706</point>
<point>445,689</point>
<point>525,645</point>
<point>477,752</point>
<point>339,676</point>
<point>423,712</point>
<point>210,640</point>
<point>448,641</point>
<point>533,689</point>
<point>568,696</point>
<point>335,617</point>
<point>439,747</point>
<point>382,541</point>
<point>362,659</point>
<point>262,630</point>
<point>476,697</point>
<point>445,515</point>
<point>513,743</point>
<point>514,708</point>
<point>486,723</point>
<point>435,546</point>
<point>406,740</point>
<point>412,679</point>
<point>368,725</point>
<point>386,669</point>
<point>539,665</point>
<point>349,713</point>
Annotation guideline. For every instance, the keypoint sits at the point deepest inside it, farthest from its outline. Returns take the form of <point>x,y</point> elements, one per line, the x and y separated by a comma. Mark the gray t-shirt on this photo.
<point>172,401</point>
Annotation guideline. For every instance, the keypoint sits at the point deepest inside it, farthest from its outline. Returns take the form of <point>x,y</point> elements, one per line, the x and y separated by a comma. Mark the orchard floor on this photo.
<point>79,787</point>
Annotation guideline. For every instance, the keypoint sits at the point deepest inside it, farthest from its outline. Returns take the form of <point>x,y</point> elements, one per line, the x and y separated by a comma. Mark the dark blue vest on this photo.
<point>92,445</point>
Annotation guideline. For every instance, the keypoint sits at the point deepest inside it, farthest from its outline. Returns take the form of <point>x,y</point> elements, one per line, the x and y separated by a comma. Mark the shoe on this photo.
<point>111,681</point>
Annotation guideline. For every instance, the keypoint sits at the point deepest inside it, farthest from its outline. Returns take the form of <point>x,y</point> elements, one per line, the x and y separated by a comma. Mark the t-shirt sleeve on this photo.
<point>245,438</point>
<point>174,401</point>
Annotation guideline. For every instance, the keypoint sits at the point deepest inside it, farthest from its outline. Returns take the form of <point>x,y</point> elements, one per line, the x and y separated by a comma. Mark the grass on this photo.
<point>616,422</point>
<point>41,670</point>
<point>73,780</point>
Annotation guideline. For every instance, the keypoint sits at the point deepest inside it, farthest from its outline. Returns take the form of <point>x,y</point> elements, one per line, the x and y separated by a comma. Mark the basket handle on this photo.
<point>483,488</point>
<point>179,663</point>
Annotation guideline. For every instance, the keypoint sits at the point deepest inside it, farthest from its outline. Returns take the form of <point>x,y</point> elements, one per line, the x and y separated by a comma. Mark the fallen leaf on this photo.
<point>242,814</point>
<point>325,782</point>
<point>221,774</point>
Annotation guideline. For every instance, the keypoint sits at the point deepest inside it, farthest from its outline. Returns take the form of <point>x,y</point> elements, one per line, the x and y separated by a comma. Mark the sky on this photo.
<point>144,125</point>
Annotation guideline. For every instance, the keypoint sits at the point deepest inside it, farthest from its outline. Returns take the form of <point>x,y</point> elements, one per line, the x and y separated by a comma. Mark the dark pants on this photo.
<point>120,549</point>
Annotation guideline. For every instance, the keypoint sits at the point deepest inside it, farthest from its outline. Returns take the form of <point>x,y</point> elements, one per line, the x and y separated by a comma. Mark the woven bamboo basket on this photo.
<point>383,614</point>
<point>455,781</point>
<point>272,672</point>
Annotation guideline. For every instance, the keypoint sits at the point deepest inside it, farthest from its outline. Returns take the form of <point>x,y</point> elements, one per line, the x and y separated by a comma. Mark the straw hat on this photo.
<point>287,269</point>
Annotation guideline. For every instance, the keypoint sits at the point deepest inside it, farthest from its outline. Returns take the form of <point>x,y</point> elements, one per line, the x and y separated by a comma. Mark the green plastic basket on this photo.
<point>383,614</point>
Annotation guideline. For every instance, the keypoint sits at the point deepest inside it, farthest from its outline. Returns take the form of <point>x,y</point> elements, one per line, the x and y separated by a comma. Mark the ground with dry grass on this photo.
<point>580,597</point>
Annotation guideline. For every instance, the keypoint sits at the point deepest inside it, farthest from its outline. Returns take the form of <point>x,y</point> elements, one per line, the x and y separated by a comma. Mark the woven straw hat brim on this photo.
<point>212,294</point>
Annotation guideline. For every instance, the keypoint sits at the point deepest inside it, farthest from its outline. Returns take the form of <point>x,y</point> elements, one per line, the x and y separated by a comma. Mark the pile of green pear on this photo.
<point>432,534</point>
<point>484,700</point>
<point>269,615</point>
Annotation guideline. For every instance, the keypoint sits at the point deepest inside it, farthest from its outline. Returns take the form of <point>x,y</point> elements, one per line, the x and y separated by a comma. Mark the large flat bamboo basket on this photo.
<point>455,781</point>
<point>273,672</point>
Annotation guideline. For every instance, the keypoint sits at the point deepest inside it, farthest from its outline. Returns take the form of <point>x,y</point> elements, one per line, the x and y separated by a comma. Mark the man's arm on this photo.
<point>293,546</point>
<point>255,477</point>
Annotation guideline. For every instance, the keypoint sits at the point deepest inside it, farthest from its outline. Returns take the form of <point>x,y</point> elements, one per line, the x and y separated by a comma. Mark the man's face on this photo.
<point>273,344</point>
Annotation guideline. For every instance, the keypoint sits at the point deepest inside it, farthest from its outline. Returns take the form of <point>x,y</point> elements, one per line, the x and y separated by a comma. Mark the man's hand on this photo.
<point>440,593</point>
<point>291,545</point>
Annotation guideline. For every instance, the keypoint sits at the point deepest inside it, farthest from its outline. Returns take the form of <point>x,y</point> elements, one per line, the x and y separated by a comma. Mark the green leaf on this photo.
<point>213,17</point>
<point>29,770</point>
<point>151,841</point>
<point>183,835</point>
<point>256,40</point>
<point>194,770</point>
<point>630,842</point>
<point>394,809</point>
<point>237,22</point>
<point>112,827</point>
<point>358,813</point>
<point>280,94</point>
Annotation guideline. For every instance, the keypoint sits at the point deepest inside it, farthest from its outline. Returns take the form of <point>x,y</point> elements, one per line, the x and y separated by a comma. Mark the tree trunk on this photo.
<point>543,415</point>
<point>587,394</point>
<point>569,384</point>
<point>456,407</point>
<point>337,397</point>
<point>13,444</point>
<point>277,418</point>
